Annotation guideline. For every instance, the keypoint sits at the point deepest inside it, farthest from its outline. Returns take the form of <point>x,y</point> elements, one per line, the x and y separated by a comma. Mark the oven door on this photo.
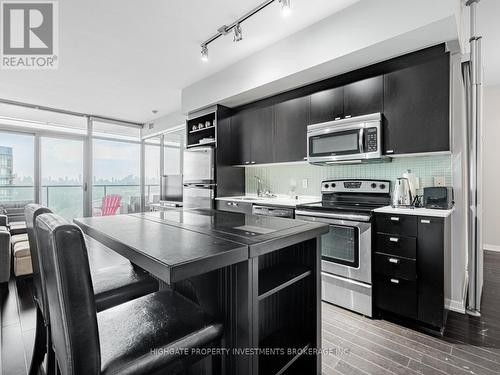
<point>346,248</point>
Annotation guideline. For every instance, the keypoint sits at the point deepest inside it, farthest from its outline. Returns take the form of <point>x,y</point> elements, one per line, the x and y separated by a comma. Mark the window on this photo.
<point>62,177</point>
<point>40,120</point>
<point>152,170</point>
<point>116,172</point>
<point>173,152</point>
<point>16,168</point>
<point>111,130</point>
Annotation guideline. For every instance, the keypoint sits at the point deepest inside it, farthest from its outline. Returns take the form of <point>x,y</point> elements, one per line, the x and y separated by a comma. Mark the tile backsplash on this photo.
<point>280,178</point>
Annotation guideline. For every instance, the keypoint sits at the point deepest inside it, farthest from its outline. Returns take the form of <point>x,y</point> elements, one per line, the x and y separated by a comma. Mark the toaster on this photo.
<point>438,197</point>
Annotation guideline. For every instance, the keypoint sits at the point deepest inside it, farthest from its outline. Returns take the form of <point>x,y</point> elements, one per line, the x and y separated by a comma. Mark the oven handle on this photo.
<point>333,216</point>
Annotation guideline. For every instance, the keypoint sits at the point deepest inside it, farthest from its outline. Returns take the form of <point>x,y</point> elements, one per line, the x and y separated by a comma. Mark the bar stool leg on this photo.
<point>39,346</point>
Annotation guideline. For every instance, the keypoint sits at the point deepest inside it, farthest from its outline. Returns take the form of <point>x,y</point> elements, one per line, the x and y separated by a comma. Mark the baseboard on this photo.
<point>491,247</point>
<point>457,306</point>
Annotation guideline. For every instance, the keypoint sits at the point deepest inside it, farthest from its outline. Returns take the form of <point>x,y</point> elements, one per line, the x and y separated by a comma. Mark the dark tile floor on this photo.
<point>471,345</point>
<point>362,346</point>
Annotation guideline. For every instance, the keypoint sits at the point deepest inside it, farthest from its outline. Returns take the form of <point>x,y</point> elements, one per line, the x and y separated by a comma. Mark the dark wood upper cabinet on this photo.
<point>253,135</point>
<point>262,136</point>
<point>416,108</point>
<point>290,129</point>
<point>241,133</point>
<point>327,105</point>
<point>364,97</point>
<point>412,93</point>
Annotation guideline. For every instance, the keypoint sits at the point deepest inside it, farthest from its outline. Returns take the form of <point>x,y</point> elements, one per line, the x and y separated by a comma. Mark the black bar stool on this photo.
<point>162,332</point>
<point>112,286</point>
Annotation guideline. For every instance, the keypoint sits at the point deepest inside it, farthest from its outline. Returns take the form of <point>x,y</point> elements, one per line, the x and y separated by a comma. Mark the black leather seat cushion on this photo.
<point>163,321</point>
<point>101,256</point>
<point>114,278</point>
<point>119,284</point>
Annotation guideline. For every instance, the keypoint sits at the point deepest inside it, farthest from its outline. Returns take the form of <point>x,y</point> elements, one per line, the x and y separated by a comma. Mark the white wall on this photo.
<point>162,124</point>
<point>360,35</point>
<point>491,171</point>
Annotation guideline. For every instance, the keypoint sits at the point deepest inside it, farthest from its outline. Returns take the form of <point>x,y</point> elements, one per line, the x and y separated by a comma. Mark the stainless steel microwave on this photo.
<point>349,140</point>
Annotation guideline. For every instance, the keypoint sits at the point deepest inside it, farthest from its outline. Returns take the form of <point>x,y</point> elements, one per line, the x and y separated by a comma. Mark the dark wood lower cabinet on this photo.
<point>412,273</point>
<point>396,295</point>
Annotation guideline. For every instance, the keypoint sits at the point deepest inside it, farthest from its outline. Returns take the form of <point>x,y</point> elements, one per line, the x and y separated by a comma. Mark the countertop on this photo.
<point>414,211</point>
<point>262,234</point>
<point>278,201</point>
<point>174,245</point>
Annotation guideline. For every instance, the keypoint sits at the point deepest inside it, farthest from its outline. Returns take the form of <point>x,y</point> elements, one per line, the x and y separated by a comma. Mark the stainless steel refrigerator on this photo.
<point>199,178</point>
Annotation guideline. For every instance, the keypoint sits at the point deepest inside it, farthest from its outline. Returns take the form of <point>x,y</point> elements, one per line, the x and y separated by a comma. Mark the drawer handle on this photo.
<point>394,239</point>
<point>394,260</point>
<point>394,218</point>
<point>423,221</point>
<point>395,281</point>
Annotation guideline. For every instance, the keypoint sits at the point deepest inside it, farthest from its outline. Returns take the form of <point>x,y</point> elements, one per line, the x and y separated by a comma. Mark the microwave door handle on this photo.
<point>361,141</point>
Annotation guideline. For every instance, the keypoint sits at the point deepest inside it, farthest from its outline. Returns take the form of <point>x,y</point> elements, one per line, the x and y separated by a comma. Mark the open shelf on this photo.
<point>278,277</point>
<point>202,129</point>
<point>284,339</point>
<point>195,136</point>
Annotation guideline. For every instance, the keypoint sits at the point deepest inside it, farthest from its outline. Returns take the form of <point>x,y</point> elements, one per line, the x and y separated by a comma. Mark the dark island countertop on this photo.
<point>262,234</point>
<point>174,245</point>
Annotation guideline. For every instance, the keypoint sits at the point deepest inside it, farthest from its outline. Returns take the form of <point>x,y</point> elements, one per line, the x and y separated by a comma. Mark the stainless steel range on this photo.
<point>347,207</point>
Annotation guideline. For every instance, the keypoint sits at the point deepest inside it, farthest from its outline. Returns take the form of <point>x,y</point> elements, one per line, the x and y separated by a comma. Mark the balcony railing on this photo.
<point>67,200</point>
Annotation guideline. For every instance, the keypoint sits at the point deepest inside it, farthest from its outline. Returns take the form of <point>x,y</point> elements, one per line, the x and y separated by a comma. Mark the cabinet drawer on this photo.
<point>395,295</point>
<point>404,225</point>
<point>233,206</point>
<point>399,268</point>
<point>396,245</point>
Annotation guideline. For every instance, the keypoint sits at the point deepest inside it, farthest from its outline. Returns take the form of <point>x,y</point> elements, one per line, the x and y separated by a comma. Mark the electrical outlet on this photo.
<point>439,181</point>
<point>305,183</point>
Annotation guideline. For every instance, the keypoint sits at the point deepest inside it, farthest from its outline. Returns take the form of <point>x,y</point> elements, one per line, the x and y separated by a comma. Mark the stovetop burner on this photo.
<point>351,196</point>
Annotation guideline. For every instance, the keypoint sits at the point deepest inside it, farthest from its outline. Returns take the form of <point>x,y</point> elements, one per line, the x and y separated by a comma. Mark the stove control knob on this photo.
<point>374,185</point>
<point>382,186</point>
<point>333,185</point>
<point>326,186</point>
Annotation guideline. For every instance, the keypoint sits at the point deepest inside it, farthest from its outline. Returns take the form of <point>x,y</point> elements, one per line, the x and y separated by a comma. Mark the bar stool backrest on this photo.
<point>70,295</point>
<point>31,212</point>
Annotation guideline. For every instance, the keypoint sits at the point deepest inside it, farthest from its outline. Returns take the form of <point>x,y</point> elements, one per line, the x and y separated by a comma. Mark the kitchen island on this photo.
<point>260,275</point>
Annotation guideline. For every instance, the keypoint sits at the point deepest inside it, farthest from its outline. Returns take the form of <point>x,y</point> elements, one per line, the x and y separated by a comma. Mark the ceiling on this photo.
<point>124,59</point>
<point>488,26</point>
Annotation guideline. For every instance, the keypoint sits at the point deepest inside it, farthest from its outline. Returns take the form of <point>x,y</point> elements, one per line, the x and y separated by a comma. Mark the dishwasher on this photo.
<point>285,212</point>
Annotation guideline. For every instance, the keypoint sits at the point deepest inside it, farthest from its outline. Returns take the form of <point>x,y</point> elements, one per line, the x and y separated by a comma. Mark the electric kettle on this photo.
<point>401,194</point>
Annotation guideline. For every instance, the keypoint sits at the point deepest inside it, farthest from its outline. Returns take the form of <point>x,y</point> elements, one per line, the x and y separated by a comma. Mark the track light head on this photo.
<point>238,33</point>
<point>285,7</point>
<point>204,53</point>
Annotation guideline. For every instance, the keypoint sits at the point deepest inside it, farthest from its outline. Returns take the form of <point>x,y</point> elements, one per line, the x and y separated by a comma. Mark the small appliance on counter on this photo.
<point>413,181</point>
<point>401,194</point>
<point>438,197</point>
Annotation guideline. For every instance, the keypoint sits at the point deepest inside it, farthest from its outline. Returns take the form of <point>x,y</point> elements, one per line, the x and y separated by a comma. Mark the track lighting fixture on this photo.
<point>285,7</point>
<point>238,33</point>
<point>236,25</point>
<point>204,53</point>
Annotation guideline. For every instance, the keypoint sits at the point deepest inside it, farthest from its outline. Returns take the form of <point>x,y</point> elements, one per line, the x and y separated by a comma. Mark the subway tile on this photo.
<point>277,177</point>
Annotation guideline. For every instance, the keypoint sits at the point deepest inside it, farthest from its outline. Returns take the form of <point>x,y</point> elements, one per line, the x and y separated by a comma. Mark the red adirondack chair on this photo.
<point>110,204</point>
